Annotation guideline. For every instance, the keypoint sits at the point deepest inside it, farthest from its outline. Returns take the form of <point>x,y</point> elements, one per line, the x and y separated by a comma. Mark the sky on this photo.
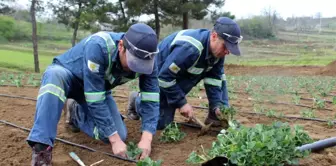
<point>286,8</point>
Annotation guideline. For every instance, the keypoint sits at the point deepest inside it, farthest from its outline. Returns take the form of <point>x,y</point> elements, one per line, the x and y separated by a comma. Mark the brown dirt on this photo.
<point>330,69</point>
<point>15,150</point>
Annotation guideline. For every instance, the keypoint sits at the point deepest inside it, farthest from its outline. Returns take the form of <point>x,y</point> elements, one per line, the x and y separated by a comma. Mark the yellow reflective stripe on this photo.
<point>212,81</point>
<point>94,96</point>
<point>165,84</point>
<point>195,70</point>
<point>96,133</point>
<point>174,68</point>
<point>223,77</point>
<point>52,89</point>
<point>150,96</point>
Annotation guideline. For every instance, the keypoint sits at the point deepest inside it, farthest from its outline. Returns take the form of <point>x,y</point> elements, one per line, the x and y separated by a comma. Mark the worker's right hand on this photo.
<point>186,110</point>
<point>119,148</point>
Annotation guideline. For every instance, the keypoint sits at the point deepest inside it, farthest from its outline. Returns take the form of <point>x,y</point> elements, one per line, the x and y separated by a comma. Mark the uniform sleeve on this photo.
<point>214,85</point>
<point>150,98</point>
<point>182,57</point>
<point>94,89</point>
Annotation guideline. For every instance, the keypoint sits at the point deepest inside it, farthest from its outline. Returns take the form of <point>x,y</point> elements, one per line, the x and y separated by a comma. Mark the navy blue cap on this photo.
<point>229,30</point>
<point>141,47</point>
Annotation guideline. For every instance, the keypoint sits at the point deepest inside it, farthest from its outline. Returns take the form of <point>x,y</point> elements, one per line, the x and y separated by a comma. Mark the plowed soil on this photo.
<point>15,150</point>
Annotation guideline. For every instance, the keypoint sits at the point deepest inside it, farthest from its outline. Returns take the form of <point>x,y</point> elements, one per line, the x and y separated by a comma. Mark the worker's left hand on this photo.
<point>145,144</point>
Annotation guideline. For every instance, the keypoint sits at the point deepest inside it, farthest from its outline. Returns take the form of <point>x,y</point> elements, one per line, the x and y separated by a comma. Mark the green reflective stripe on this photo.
<point>110,45</point>
<point>52,89</point>
<point>189,39</point>
<point>223,77</point>
<point>150,96</point>
<point>212,81</point>
<point>96,133</point>
<point>209,68</point>
<point>94,96</point>
<point>165,84</point>
<point>195,70</point>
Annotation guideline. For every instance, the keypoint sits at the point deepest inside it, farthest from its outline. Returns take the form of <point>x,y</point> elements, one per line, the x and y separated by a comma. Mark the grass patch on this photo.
<point>22,61</point>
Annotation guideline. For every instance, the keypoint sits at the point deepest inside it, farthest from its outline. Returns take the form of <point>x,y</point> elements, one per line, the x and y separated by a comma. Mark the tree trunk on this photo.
<point>185,21</point>
<point>123,12</point>
<point>34,35</point>
<point>157,18</point>
<point>185,17</point>
<point>74,35</point>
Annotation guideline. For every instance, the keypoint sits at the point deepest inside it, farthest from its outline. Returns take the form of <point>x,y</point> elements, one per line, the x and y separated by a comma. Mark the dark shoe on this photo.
<point>212,118</point>
<point>131,110</point>
<point>69,111</point>
<point>42,155</point>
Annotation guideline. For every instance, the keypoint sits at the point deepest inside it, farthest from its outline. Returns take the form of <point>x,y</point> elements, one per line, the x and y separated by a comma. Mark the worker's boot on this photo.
<point>131,110</point>
<point>42,155</point>
<point>70,114</point>
<point>212,118</point>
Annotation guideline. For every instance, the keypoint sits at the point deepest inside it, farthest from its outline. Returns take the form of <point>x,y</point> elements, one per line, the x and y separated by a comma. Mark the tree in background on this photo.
<point>5,7</point>
<point>196,9</point>
<point>36,5</point>
<point>74,13</point>
<point>169,11</point>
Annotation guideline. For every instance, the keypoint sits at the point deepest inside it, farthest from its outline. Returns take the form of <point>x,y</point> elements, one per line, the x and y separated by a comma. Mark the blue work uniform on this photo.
<point>184,60</point>
<point>87,73</point>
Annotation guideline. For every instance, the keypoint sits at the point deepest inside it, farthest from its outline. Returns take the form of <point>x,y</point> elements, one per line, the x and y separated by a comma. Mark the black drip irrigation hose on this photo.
<point>299,105</point>
<point>197,107</point>
<point>71,143</point>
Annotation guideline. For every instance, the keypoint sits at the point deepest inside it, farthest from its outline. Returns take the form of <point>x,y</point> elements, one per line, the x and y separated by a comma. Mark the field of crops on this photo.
<point>292,95</point>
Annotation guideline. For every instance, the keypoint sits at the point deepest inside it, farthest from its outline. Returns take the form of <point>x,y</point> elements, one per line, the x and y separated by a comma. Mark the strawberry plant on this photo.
<point>148,162</point>
<point>133,151</point>
<point>260,145</point>
<point>172,133</point>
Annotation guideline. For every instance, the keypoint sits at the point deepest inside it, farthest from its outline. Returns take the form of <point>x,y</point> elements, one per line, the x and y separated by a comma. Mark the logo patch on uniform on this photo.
<point>174,68</point>
<point>94,67</point>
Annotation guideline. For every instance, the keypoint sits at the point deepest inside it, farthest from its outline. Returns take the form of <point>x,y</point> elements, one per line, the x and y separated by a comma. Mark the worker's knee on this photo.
<point>55,74</point>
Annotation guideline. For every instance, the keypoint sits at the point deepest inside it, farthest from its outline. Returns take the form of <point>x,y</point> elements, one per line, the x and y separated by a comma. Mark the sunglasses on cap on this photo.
<point>136,50</point>
<point>233,39</point>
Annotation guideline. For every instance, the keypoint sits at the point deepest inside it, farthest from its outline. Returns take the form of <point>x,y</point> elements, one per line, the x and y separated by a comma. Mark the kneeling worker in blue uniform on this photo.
<point>187,57</point>
<point>86,73</point>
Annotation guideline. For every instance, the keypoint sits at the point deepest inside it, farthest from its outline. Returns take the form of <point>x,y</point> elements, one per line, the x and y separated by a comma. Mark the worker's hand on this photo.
<point>218,113</point>
<point>186,110</point>
<point>145,144</point>
<point>119,148</point>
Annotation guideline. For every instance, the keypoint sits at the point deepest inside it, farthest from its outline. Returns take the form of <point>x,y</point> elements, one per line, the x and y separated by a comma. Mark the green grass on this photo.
<point>22,61</point>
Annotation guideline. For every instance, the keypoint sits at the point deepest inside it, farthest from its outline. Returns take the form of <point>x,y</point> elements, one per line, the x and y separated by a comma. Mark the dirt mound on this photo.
<point>329,70</point>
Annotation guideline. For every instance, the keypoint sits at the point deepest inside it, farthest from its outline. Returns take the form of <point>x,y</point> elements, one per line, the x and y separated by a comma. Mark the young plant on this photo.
<point>260,145</point>
<point>319,103</point>
<point>330,124</point>
<point>172,133</point>
<point>334,100</point>
<point>308,113</point>
<point>148,162</point>
<point>296,99</point>
<point>133,151</point>
<point>226,117</point>
<point>271,113</point>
